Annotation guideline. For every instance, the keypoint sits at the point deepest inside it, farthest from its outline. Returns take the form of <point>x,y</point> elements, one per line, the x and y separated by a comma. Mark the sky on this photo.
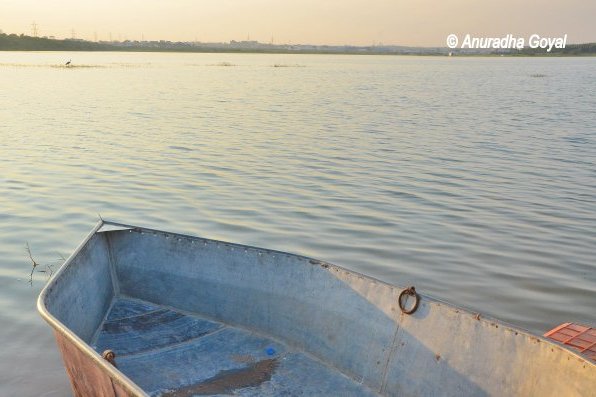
<point>334,22</point>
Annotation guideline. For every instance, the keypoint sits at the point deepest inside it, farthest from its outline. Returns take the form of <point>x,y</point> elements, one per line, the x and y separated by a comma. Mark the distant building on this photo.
<point>245,44</point>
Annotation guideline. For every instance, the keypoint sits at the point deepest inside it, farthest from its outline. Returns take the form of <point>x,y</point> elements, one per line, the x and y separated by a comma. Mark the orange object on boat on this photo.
<point>578,337</point>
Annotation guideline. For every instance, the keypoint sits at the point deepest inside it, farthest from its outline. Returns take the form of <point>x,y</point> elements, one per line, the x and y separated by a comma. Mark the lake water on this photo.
<point>473,179</point>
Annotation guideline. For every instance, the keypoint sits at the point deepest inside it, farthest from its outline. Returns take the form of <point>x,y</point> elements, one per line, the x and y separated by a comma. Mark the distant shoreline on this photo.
<point>13,42</point>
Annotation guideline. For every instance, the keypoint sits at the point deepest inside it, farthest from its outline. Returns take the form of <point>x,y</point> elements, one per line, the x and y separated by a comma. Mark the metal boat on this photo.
<point>142,312</point>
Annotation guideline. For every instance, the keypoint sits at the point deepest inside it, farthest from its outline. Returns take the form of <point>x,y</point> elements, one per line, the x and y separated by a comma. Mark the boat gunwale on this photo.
<point>130,386</point>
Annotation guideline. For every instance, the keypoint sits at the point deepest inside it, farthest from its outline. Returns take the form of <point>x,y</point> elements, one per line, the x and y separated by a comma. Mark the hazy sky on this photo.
<point>361,22</point>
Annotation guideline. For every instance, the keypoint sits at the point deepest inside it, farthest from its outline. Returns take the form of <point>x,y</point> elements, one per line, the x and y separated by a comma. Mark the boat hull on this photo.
<point>349,322</point>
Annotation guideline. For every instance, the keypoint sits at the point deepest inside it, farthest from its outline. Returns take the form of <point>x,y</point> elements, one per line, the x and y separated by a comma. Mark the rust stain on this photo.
<point>225,382</point>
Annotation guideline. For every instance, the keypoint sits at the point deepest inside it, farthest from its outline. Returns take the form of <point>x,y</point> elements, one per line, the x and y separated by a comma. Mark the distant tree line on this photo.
<point>13,42</point>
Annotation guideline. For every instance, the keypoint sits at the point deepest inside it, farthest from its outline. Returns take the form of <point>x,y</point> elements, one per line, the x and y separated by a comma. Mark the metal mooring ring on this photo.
<point>410,292</point>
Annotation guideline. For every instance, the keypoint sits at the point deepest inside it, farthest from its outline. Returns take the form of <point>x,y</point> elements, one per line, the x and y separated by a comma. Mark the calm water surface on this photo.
<point>472,179</point>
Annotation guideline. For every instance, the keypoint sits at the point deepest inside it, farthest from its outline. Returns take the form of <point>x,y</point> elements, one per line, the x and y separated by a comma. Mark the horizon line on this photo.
<point>126,39</point>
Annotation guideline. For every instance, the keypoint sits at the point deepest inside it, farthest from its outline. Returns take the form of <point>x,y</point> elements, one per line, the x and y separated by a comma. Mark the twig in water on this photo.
<point>33,262</point>
<point>49,268</point>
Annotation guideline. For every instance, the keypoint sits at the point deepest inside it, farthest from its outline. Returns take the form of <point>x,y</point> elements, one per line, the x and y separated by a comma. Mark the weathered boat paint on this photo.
<point>88,377</point>
<point>348,321</point>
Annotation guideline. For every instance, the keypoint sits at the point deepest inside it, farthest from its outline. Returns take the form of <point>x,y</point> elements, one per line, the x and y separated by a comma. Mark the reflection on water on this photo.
<point>468,178</point>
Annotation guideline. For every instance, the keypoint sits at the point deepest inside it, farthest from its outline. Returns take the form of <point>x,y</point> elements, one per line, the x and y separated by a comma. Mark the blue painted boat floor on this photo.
<point>173,354</point>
